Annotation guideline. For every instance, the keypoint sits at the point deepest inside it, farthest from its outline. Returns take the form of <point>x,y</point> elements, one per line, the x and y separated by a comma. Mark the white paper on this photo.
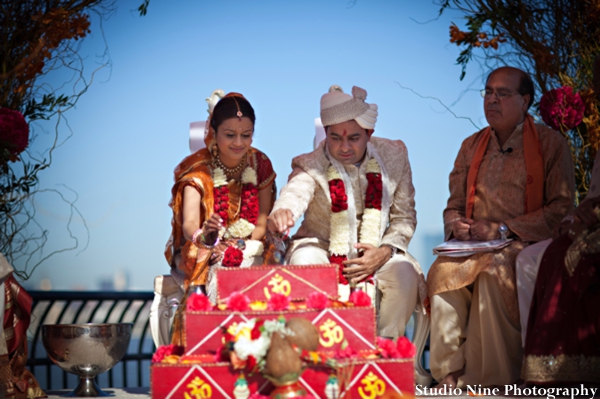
<point>456,247</point>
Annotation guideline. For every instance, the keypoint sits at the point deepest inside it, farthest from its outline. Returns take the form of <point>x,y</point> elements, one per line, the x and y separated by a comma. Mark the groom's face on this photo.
<point>347,142</point>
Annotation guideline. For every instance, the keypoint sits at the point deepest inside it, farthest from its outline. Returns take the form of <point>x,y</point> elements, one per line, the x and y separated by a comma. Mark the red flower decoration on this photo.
<point>360,298</point>
<point>337,193</point>
<point>222,355</point>
<point>337,260</point>
<point>221,206</point>
<point>250,363</point>
<point>232,257</point>
<point>14,133</point>
<point>374,191</point>
<point>405,347</point>
<point>561,109</point>
<point>317,300</point>
<point>257,330</point>
<point>166,350</point>
<point>199,302</point>
<point>238,302</point>
<point>278,302</point>
<point>346,353</point>
<point>250,207</point>
<point>387,349</point>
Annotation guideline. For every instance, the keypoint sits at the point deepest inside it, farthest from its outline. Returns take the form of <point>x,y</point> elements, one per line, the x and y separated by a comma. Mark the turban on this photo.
<point>338,107</point>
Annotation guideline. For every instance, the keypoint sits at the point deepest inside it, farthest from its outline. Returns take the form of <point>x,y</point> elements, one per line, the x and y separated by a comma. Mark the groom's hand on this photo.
<point>373,258</point>
<point>281,220</point>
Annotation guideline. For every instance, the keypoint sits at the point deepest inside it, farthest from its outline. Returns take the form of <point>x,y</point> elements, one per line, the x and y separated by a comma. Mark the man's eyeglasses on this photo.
<point>500,94</point>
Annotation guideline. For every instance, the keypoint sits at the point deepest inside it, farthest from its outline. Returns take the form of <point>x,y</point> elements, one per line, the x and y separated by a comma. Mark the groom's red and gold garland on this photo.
<point>339,246</point>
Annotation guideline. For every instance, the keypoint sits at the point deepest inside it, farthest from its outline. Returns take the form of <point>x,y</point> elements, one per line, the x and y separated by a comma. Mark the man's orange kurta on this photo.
<point>500,197</point>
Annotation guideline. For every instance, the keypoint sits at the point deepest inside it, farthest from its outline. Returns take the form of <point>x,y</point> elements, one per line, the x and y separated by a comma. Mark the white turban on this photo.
<point>338,107</point>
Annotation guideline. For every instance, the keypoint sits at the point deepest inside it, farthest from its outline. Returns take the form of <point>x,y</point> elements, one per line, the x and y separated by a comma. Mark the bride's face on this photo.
<point>234,138</point>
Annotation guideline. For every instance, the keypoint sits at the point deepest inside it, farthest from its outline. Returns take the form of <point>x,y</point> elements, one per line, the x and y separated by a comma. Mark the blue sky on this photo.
<point>132,126</point>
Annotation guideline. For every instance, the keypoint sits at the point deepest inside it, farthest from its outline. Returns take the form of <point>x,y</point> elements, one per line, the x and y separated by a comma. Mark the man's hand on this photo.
<point>373,258</point>
<point>585,213</point>
<point>461,229</point>
<point>562,228</point>
<point>482,230</point>
<point>281,220</point>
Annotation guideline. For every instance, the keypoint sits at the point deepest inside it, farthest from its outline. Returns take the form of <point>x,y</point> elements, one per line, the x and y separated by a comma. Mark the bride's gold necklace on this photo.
<point>217,163</point>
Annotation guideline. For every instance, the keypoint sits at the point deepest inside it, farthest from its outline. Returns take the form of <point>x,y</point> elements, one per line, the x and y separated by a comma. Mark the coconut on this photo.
<point>281,358</point>
<point>306,335</point>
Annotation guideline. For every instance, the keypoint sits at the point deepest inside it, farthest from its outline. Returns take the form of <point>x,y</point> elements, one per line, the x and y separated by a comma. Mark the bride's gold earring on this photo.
<point>215,150</point>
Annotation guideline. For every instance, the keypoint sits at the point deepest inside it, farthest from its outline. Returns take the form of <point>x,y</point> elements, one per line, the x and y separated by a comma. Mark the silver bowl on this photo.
<point>86,350</point>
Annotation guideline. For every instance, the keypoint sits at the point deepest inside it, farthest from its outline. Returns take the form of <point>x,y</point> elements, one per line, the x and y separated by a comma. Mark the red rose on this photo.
<point>278,302</point>
<point>238,302</point>
<point>166,350</point>
<point>386,348</point>
<point>232,257</point>
<point>561,109</point>
<point>405,347</point>
<point>256,331</point>
<point>317,300</point>
<point>360,298</point>
<point>199,302</point>
<point>14,134</point>
<point>345,353</point>
<point>337,260</point>
<point>250,363</point>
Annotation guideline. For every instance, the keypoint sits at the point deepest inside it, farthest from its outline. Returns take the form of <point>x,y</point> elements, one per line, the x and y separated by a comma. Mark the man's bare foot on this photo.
<point>450,380</point>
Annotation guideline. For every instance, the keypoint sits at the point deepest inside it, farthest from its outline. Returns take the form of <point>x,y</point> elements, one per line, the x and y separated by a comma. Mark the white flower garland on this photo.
<point>339,225</point>
<point>241,228</point>
<point>244,346</point>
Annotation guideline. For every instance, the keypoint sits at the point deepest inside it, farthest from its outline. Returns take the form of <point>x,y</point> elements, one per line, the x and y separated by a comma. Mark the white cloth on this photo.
<point>397,283</point>
<point>527,266</point>
<point>338,107</point>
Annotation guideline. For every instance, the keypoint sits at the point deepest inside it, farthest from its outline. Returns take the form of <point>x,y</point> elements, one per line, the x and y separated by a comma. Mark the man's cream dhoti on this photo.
<point>478,312</point>
<point>528,263</point>
<point>397,284</point>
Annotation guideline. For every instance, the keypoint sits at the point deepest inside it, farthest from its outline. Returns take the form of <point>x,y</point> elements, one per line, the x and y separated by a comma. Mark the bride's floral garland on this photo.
<point>244,226</point>
<point>339,226</point>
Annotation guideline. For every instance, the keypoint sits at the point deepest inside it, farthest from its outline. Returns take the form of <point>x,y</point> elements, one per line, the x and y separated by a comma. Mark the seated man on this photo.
<point>357,197</point>
<point>512,179</point>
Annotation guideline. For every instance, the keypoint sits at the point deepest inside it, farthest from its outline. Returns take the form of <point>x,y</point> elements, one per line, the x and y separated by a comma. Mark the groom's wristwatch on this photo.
<point>503,230</point>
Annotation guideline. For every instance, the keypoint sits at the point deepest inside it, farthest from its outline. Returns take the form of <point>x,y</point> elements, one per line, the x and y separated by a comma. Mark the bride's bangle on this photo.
<point>195,236</point>
<point>205,245</point>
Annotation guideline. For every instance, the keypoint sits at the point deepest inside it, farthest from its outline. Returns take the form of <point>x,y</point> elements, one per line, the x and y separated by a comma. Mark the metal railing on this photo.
<point>67,307</point>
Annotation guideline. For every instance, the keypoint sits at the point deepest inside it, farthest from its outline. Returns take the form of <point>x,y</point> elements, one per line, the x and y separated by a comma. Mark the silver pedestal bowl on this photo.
<point>86,350</point>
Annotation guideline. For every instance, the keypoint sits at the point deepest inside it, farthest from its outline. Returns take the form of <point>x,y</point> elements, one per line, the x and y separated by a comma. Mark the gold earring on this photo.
<point>215,150</point>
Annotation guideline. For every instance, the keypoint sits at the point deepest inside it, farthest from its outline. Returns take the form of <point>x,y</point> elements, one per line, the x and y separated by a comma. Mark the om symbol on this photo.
<point>280,286</point>
<point>372,387</point>
<point>198,390</point>
<point>331,333</point>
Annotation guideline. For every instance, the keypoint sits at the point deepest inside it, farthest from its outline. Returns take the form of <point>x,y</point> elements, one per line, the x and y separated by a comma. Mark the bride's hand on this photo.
<point>210,229</point>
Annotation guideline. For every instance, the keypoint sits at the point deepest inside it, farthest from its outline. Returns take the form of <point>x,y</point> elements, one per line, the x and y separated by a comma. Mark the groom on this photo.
<point>356,194</point>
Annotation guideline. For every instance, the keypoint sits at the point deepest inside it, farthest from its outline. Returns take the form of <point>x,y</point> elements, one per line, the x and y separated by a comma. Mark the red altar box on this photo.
<point>365,378</point>
<point>360,378</point>
<point>356,325</point>
<point>259,282</point>
<point>199,380</point>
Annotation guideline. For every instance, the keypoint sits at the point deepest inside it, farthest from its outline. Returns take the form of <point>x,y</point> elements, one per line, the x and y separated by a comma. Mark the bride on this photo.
<point>221,199</point>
